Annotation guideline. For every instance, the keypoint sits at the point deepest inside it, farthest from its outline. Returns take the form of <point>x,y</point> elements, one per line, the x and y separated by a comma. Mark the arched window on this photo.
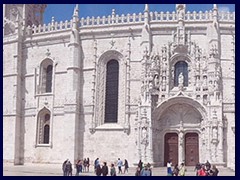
<point>43,126</point>
<point>46,76</point>
<point>181,67</point>
<point>111,98</point>
<point>49,79</point>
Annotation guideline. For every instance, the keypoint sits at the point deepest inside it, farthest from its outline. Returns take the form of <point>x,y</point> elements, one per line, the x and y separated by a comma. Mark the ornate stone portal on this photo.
<point>159,89</point>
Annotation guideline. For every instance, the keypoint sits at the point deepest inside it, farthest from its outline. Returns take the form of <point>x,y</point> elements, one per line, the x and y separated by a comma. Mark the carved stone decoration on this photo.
<point>180,81</point>
<point>180,11</point>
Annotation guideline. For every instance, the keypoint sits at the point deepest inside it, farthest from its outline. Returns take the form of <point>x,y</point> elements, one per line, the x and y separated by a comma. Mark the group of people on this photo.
<point>67,168</point>
<point>177,170</point>
<point>82,166</point>
<point>103,170</point>
<point>143,170</point>
<point>206,169</point>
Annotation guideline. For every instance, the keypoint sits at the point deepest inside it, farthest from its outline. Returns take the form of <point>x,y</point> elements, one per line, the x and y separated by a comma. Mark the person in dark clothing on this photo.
<point>88,164</point>
<point>104,169</point>
<point>140,165</point>
<point>215,171</point>
<point>69,168</point>
<point>98,170</point>
<point>77,168</point>
<point>96,163</point>
<point>175,170</point>
<point>125,166</point>
<point>207,165</point>
<point>64,168</point>
<point>85,165</point>
<point>138,171</point>
<point>197,168</point>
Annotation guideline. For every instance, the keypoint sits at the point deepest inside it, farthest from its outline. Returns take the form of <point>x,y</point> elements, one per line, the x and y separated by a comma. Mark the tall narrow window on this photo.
<point>49,79</point>
<point>111,100</point>
<point>46,76</point>
<point>46,134</point>
<point>181,67</point>
<point>43,127</point>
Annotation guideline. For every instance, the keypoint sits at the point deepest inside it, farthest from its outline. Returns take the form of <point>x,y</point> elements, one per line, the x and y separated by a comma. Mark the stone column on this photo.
<point>220,144</point>
<point>181,149</point>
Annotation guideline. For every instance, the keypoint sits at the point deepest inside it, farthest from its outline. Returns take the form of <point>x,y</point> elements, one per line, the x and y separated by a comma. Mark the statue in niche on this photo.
<point>180,79</point>
<point>164,84</point>
<point>180,11</point>
<point>204,80</point>
<point>156,81</point>
<point>216,85</point>
<point>214,131</point>
<point>144,135</point>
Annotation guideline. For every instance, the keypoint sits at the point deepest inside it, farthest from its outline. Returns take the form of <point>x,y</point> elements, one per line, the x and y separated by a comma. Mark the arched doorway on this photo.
<point>191,149</point>
<point>178,118</point>
<point>171,148</point>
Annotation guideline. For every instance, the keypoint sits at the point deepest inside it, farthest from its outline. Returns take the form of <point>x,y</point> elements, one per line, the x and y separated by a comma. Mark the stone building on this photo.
<point>153,86</point>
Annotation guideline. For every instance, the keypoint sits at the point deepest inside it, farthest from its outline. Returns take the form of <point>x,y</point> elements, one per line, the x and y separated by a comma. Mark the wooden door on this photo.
<point>191,149</point>
<point>171,148</point>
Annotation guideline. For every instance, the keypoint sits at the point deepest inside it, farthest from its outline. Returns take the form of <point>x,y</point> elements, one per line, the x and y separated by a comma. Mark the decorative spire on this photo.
<point>75,18</point>
<point>75,13</point>
<point>146,8</point>
<point>215,6</point>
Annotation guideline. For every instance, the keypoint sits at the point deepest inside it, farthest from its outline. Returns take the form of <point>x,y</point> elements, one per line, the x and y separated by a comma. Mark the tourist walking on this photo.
<point>112,170</point>
<point>104,169</point>
<point>119,164</point>
<point>125,166</point>
<point>140,164</point>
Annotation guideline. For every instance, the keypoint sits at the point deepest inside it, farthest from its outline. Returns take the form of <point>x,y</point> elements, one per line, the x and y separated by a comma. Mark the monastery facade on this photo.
<point>154,86</point>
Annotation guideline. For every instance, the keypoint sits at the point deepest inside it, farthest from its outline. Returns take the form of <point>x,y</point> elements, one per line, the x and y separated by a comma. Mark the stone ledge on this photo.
<point>110,126</point>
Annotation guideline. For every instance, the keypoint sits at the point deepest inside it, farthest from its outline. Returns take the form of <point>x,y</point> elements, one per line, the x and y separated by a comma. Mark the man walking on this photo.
<point>119,164</point>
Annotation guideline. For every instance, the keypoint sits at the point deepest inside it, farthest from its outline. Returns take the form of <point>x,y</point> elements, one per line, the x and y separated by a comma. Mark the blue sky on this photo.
<point>62,12</point>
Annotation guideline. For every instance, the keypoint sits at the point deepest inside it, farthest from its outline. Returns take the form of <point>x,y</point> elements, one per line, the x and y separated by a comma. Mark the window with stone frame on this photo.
<point>43,126</point>
<point>181,67</point>
<point>111,97</point>
<point>46,76</point>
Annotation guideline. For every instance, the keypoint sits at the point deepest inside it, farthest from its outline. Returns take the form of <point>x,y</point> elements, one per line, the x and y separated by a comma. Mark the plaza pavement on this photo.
<point>56,170</point>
